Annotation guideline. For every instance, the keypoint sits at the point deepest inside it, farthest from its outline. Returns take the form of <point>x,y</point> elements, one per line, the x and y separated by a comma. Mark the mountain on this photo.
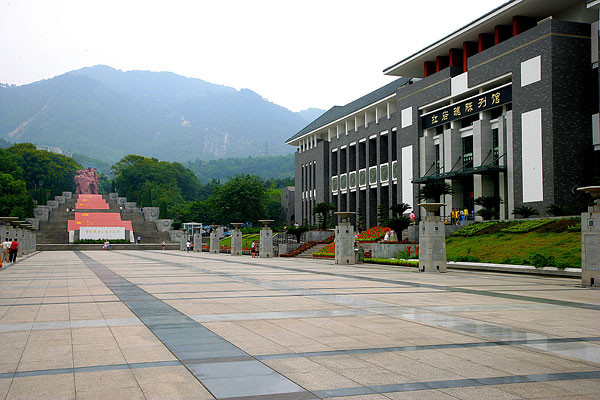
<point>271,167</point>
<point>310,114</point>
<point>104,113</point>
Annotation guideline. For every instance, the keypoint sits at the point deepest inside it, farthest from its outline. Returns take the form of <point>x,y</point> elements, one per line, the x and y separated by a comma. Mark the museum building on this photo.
<point>506,106</point>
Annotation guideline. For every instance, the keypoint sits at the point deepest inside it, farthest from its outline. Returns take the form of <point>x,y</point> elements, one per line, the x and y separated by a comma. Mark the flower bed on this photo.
<point>327,251</point>
<point>374,234</point>
<point>393,261</point>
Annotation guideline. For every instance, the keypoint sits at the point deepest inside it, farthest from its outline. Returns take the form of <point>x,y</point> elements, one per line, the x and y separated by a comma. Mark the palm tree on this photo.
<point>490,206</point>
<point>324,209</point>
<point>433,190</point>
<point>400,208</point>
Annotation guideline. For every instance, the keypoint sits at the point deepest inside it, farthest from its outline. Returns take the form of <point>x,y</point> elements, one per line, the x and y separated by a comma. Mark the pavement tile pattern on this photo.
<point>158,325</point>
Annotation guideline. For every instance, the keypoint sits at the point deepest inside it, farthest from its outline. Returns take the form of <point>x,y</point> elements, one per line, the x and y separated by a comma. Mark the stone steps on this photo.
<point>308,253</point>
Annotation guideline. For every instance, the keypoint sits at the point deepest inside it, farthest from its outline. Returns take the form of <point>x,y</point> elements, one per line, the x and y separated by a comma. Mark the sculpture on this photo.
<point>87,181</point>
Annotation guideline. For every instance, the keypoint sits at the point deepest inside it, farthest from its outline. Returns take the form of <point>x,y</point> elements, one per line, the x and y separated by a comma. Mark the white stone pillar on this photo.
<point>344,240</point>
<point>590,240</point>
<point>214,240</point>
<point>265,246</point>
<point>236,239</point>
<point>432,240</point>
<point>198,242</point>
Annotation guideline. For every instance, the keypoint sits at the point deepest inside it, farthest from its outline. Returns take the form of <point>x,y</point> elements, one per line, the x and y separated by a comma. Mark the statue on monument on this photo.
<point>87,181</point>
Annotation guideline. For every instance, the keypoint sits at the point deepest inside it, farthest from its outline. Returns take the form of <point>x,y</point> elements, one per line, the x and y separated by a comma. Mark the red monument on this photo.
<point>87,181</point>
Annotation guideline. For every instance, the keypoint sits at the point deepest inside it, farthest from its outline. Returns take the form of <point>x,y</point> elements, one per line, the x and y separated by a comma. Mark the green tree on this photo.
<point>297,231</point>
<point>242,199</point>
<point>434,190</point>
<point>525,211</point>
<point>163,212</point>
<point>398,224</point>
<point>400,208</point>
<point>13,195</point>
<point>323,209</point>
<point>490,206</point>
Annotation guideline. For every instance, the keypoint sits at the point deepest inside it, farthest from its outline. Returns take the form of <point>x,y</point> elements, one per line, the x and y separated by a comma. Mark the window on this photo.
<point>495,149</point>
<point>467,145</point>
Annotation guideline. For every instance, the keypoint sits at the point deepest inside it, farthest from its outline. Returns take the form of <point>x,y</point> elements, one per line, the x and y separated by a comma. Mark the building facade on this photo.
<point>506,106</point>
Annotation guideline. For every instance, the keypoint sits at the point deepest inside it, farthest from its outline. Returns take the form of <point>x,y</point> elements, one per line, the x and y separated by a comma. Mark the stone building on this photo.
<point>505,106</point>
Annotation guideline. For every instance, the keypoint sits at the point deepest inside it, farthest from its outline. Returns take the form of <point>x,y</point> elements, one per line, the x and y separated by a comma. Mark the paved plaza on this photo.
<point>171,325</point>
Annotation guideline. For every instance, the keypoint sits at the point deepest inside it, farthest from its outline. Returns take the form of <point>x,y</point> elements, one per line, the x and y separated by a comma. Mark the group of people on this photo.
<point>458,215</point>
<point>10,248</point>
<point>390,236</point>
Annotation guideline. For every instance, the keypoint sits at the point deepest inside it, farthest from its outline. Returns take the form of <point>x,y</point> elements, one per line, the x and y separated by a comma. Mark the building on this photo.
<point>288,204</point>
<point>56,150</point>
<point>505,106</point>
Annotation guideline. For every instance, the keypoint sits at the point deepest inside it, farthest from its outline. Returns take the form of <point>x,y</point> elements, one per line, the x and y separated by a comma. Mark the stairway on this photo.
<point>308,253</point>
<point>54,231</point>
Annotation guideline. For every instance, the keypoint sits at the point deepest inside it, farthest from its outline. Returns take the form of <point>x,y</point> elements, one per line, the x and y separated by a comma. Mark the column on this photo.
<point>482,146</point>
<point>214,239</point>
<point>265,247</point>
<point>344,240</point>
<point>432,240</point>
<point>236,239</point>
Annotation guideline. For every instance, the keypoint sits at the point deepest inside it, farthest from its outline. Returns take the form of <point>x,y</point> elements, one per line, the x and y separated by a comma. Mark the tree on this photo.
<point>242,199</point>
<point>382,214</point>
<point>525,211</point>
<point>13,195</point>
<point>398,224</point>
<point>490,206</point>
<point>297,231</point>
<point>324,210</point>
<point>400,208</point>
<point>434,190</point>
<point>162,210</point>
<point>561,210</point>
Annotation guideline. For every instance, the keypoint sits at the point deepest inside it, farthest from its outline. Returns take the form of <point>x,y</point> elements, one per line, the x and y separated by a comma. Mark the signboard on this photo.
<point>100,233</point>
<point>469,107</point>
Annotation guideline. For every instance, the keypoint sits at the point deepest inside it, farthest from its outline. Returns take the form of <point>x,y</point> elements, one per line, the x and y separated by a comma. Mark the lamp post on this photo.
<point>590,239</point>
<point>432,240</point>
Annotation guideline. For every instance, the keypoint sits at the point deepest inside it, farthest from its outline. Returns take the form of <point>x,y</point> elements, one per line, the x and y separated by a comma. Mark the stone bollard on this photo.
<point>344,240</point>
<point>590,240</point>
<point>265,246</point>
<point>214,239</point>
<point>432,240</point>
<point>197,242</point>
<point>236,239</point>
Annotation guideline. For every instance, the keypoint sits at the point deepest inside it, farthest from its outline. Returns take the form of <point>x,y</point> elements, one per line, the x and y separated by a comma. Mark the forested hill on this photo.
<point>274,167</point>
<point>104,113</point>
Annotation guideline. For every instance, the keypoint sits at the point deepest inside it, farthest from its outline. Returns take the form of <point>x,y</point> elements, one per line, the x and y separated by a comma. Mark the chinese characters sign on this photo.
<point>101,233</point>
<point>469,107</point>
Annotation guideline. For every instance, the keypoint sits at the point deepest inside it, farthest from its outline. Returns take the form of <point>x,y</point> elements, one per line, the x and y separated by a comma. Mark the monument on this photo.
<point>590,239</point>
<point>432,240</point>
<point>87,181</point>
<point>344,239</point>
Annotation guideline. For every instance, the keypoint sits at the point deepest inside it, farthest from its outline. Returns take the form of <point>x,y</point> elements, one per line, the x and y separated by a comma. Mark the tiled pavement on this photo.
<point>168,325</point>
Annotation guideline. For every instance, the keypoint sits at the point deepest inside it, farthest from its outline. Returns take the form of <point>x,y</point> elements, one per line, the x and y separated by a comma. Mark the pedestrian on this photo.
<point>139,239</point>
<point>142,211</point>
<point>393,236</point>
<point>5,248</point>
<point>253,249</point>
<point>412,216</point>
<point>188,245</point>
<point>14,249</point>
<point>386,238</point>
<point>164,245</point>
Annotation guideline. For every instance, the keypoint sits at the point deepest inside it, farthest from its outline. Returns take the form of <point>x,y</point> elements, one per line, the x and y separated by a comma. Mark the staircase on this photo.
<point>308,253</point>
<point>54,231</point>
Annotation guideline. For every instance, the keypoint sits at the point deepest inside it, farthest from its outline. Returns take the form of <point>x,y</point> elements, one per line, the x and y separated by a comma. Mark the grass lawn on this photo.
<point>246,240</point>
<point>508,248</point>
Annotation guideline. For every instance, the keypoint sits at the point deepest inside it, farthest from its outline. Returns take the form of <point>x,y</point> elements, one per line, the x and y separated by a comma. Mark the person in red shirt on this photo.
<point>14,249</point>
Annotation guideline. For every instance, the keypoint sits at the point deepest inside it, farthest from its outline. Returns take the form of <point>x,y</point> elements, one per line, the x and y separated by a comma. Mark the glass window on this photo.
<point>467,145</point>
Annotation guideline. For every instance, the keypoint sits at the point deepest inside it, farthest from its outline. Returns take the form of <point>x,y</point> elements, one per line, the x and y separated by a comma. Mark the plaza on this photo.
<point>170,324</point>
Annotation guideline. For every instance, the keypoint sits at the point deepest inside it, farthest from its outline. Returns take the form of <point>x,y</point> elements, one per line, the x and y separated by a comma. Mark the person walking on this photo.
<point>139,239</point>
<point>14,249</point>
<point>253,249</point>
<point>4,250</point>
<point>188,244</point>
<point>164,245</point>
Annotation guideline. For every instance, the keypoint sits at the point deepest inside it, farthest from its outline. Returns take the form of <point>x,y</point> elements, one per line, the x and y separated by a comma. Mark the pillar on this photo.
<point>344,240</point>
<point>590,240</point>
<point>265,246</point>
<point>432,240</point>
<point>214,240</point>
<point>482,145</point>
<point>198,241</point>
<point>236,239</point>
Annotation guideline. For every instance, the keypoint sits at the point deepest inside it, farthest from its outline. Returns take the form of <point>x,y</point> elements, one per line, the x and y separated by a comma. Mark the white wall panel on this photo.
<point>407,115</point>
<point>531,71</point>
<point>407,175</point>
<point>531,155</point>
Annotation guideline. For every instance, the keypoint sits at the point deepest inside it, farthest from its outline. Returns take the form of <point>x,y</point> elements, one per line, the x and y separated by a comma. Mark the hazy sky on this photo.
<point>297,54</point>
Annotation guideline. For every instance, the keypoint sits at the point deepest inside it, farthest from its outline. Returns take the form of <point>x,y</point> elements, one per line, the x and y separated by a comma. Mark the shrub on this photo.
<point>574,228</point>
<point>526,226</point>
<point>525,211</point>
<point>405,255</point>
<point>327,251</point>
<point>473,229</point>
<point>490,206</point>
<point>560,210</point>
<point>387,261</point>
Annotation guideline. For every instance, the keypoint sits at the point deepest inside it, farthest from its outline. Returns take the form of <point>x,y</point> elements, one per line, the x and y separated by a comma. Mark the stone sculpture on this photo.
<point>87,181</point>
